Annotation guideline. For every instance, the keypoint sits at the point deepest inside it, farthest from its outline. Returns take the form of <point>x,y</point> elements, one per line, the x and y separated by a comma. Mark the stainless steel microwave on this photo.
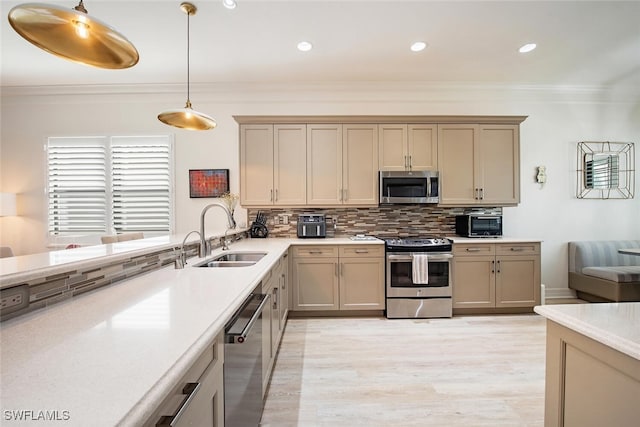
<point>479,225</point>
<point>409,187</point>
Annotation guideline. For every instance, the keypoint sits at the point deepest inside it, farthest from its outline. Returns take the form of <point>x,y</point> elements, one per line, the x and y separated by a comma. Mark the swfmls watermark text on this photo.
<point>36,415</point>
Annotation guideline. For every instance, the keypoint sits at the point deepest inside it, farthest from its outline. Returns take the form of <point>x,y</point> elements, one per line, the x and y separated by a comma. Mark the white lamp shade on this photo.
<point>8,204</point>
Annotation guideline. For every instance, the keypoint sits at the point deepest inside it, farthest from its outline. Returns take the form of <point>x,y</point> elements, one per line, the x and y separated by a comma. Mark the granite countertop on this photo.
<point>616,325</point>
<point>118,350</point>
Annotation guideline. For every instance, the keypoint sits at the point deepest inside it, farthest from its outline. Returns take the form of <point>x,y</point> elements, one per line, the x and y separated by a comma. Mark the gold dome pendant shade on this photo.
<point>187,117</point>
<point>73,34</point>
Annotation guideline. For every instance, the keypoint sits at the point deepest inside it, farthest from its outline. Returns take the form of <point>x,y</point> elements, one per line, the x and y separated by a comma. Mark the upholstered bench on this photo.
<point>599,273</point>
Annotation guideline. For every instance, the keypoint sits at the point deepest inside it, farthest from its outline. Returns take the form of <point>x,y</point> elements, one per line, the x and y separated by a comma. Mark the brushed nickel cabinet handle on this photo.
<point>276,198</point>
<point>189,390</point>
<point>493,270</point>
<point>482,194</point>
<point>473,249</point>
<point>498,266</point>
<point>517,249</point>
<point>271,195</point>
<point>410,163</point>
<point>362,251</point>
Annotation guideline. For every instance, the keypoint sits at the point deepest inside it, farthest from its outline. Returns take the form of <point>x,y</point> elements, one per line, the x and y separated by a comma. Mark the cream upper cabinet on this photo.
<point>360,165</point>
<point>499,153</point>
<point>324,164</point>
<point>256,165</point>
<point>479,164</point>
<point>407,147</point>
<point>342,164</point>
<point>272,165</point>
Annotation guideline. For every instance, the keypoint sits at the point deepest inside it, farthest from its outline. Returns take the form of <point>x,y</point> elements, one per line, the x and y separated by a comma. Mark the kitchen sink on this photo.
<point>234,259</point>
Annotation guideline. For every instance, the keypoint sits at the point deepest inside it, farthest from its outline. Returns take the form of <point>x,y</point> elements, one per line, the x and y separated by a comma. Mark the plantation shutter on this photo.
<point>101,185</point>
<point>141,184</point>
<point>77,186</point>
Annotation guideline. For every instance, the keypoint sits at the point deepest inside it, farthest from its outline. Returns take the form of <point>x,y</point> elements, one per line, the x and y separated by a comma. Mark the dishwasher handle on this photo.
<point>240,337</point>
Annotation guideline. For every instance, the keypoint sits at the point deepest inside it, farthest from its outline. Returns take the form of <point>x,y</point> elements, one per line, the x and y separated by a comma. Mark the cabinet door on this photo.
<point>315,284</point>
<point>324,164</point>
<point>267,356</point>
<point>392,147</point>
<point>362,284</point>
<point>423,147</point>
<point>499,157</point>
<point>207,405</point>
<point>289,173</point>
<point>284,291</point>
<point>360,165</point>
<point>517,281</point>
<point>473,281</point>
<point>457,145</point>
<point>256,165</point>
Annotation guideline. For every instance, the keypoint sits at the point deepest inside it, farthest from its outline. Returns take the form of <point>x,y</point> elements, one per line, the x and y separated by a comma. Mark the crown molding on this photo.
<point>413,92</point>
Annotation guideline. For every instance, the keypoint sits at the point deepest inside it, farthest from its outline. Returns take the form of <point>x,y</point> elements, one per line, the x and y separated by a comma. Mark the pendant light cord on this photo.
<point>188,57</point>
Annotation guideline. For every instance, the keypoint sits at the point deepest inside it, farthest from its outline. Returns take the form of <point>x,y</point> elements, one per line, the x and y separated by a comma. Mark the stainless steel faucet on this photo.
<point>181,259</point>
<point>205,249</point>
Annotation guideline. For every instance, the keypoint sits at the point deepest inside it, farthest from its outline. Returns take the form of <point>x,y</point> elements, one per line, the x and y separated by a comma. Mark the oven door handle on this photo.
<point>439,257</point>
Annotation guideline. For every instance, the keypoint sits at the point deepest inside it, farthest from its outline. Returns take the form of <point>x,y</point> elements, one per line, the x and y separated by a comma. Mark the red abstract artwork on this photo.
<point>208,182</point>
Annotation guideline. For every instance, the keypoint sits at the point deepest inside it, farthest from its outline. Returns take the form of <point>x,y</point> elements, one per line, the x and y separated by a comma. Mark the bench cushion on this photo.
<point>601,253</point>
<point>621,274</point>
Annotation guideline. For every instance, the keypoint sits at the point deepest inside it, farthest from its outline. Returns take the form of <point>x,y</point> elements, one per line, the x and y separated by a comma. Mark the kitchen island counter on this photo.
<point>592,364</point>
<point>108,357</point>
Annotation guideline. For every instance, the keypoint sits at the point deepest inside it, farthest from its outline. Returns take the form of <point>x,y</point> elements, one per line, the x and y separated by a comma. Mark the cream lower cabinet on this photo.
<point>274,316</point>
<point>407,147</point>
<point>198,398</point>
<point>272,165</point>
<point>500,275</point>
<point>361,278</point>
<point>342,164</point>
<point>479,164</point>
<point>338,278</point>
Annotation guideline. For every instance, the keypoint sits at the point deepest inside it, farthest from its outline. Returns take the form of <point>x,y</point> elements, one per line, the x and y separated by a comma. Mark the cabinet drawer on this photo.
<point>362,251</point>
<point>473,249</point>
<point>517,248</point>
<point>210,359</point>
<point>315,251</point>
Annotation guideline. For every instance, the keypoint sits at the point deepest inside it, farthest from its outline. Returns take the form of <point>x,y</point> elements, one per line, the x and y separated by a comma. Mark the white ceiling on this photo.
<point>579,43</point>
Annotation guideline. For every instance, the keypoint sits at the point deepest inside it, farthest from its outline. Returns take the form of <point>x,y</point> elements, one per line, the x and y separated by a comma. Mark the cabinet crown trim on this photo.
<point>510,120</point>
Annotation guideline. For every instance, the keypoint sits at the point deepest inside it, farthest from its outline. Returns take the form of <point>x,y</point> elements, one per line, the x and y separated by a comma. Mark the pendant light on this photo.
<point>187,117</point>
<point>73,34</point>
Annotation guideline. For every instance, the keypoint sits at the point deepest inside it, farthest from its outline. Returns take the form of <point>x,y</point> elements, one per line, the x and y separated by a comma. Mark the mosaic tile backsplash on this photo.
<point>48,290</point>
<point>382,221</point>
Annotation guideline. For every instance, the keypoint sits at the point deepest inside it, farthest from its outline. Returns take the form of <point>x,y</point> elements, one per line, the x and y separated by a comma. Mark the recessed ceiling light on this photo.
<point>229,4</point>
<point>527,48</point>
<point>304,46</point>
<point>418,46</point>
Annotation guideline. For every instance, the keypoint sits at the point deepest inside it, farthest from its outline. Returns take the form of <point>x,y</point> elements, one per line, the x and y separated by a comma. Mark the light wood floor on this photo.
<point>465,371</point>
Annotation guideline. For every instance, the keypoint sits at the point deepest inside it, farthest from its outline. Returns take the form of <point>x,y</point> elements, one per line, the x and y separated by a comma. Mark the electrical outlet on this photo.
<point>13,299</point>
<point>285,219</point>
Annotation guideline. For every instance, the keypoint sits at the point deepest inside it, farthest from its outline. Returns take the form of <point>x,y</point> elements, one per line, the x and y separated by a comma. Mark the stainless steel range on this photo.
<point>418,277</point>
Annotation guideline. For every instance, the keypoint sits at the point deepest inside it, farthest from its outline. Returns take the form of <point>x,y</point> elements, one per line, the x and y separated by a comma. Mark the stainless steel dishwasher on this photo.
<point>243,363</point>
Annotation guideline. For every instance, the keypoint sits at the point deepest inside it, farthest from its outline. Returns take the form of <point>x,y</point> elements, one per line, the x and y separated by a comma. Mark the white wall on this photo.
<point>558,119</point>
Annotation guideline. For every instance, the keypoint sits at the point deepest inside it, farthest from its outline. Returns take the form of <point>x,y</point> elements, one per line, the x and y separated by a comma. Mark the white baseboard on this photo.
<point>555,293</point>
